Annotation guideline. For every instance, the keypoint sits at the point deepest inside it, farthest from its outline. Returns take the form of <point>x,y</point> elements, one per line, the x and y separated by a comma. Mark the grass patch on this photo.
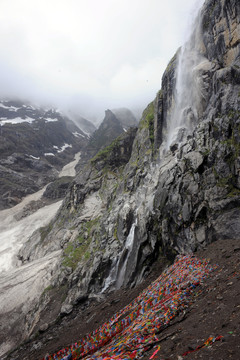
<point>104,153</point>
<point>147,121</point>
<point>47,289</point>
<point>78,249</point>
<point>74,253</point>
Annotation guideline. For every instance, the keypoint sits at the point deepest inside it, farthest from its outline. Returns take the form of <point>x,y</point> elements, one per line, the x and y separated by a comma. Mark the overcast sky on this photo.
<point>89,55</point>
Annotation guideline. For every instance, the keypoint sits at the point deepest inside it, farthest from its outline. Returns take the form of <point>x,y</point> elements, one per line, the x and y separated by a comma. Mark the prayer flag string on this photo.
<point>132,331</point>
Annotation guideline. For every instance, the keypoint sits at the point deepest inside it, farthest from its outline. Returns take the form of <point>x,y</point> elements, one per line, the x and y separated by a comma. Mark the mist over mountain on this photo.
<point>85,125</point>
<point>126,117</point>
<point>94,62</point>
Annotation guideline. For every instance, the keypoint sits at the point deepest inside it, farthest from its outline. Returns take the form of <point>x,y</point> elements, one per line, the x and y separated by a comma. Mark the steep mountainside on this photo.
<point>34,144</point>
<point>85,125</point>
<point>114,124</point>
<point>126,117</point>
<point>172,187</point>
<point>108,130</point>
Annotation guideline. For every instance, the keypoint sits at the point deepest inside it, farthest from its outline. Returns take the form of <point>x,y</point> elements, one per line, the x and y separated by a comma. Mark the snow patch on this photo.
<point>64,147</point>
<point>86,133</point>
<point>17,120</point>
<point>69,169</point>
<point>10,108</point>
<point>78,135</point>
<point>49,154</point>
<point>50,119</point>
<point>34,157</point>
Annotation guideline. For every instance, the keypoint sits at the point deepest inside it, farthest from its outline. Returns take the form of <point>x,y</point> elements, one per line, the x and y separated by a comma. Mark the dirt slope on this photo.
<point>215,311</point>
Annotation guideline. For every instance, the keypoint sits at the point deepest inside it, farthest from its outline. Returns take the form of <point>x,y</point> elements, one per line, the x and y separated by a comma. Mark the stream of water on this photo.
<point>184,114</point>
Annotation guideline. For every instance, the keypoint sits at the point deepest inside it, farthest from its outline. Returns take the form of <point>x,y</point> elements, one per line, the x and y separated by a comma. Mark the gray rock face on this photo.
<point>174,200</point>
<point>58,188</point>
<point>141,199</point>
<point>34,145</point>
<point>110,128</point>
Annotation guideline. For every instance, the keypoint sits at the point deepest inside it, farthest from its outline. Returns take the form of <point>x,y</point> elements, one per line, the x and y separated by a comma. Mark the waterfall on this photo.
<point>110,280</point>
<point>125,256</point>
<point>117,273</point>
<point>189,90</point>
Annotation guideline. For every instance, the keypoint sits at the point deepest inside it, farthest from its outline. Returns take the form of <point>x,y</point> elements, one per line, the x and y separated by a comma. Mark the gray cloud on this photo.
<point>89,55</point>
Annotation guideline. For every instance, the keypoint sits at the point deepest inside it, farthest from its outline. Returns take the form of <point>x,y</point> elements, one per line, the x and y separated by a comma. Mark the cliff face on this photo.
<point>176,198</point>
<point>197,197</point>
<point>180,189</point>
<point>172,187</point>
<point>113,125</point>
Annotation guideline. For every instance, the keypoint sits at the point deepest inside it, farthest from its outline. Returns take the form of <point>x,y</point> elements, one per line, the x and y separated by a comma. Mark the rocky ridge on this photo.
<point>115,123</point>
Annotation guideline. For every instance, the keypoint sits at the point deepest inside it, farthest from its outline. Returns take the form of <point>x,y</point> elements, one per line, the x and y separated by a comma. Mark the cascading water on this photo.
<point>117,273</point>
<point>189,90</point>
<point>110,280</point>
<point>126,253</point>
<point>181,120</point>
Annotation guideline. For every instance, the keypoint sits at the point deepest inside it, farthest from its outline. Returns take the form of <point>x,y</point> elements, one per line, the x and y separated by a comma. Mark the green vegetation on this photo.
<point>147,114</point>
<point>90,224</point>
<point>233,142</point>
<point>79,248</point>
<point>205,152</point>
<point>150,121</point>
<point>232,113</point>
<point>47,289</point>
<point>74,253</point>
<point>147,121</point>
<point>115,233</point>
<point>104,153</point>
<point>228,183</point>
